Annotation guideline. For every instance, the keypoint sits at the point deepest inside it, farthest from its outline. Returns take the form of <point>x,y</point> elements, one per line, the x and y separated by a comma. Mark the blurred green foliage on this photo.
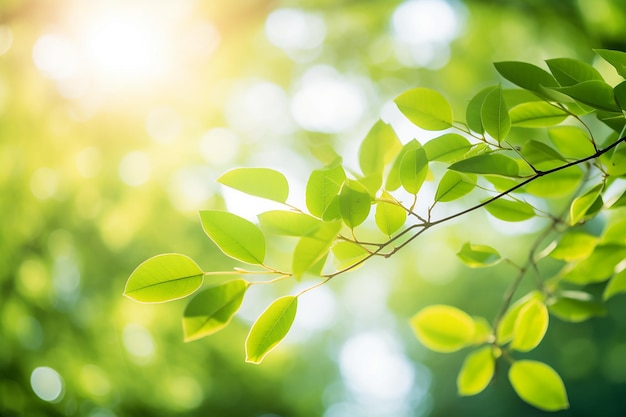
<point>99,171</point>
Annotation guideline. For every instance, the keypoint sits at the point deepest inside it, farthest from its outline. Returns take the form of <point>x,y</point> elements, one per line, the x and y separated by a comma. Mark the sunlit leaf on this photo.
<point>530,326</point>
<point>235,236</point>
<point>476,372</point>
<point>536,114</point>
<point>614,120</point>
<point>478,256</point>
<point>620,201</point>
<point>288,223</point>
<point>596,94</point>
<point>568,71</point>
<point>311,250</point>
<point>446,148</point>
<point>494,163</point>
<point>322,190</point>
<point>539,385</point>
<point>348,253</point>
<point>495,115</point>
<point>443,328</point>
<point>526,75</point>
<point>582,203</point>
<point>506,326</point>
<point>571,141</point>
<point>426,108</point>
<point>482,331</point>
<point>270,328</point>
<point>620,95</point>
<point>454,185</point>
<point>474,110</point>
<point>389,216</point>
<point>597,267</point>
<point>393,178</point>
<point>260,182</point>
<point>576,306</point>
<point>557,184</point>
<point>212,309</point>
<point>510,210</point>
<point>617,165</point>
<point>574,245</point>
<point>615,58</point>
<point>163,278</point>
<point>616,285</point>
<point>541,156</point>
<point>413,168</point>
<point>354,203</point>
<point>378,148</point>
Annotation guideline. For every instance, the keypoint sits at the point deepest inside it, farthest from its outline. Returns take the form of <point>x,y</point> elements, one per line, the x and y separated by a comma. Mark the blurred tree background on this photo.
<point>116,117</point>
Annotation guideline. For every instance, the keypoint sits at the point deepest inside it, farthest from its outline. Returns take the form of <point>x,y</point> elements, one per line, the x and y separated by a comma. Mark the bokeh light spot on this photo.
<point>163,125</point>
<point>295,31</point>
<point>56,56</point>
<point>134,168</point>
<point>6,39</point>
<point>44,183</point>
<point>138,342</point>
<point>47,384</point>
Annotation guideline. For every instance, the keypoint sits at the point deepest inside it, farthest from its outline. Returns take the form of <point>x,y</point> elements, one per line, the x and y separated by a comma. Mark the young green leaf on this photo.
<point>599,266</point>
<point>506,326</point>
<point>235,236</point>
<point>537,114</point>
<point>614,120</point>
<point>443,328</point>
<point>596,94</point>
<point>426,108</point>
<point>494,163</point>
<point>557,184</point>
<point>378,148</point>
<point>530,326</point>
<point>616,285</point>
<point>619,202</point>
<point>482,331</point>
<point>288,223</point>
<point>495,115</point>
<point>166,277</point>
<point>389,216</point>
<point>615,58</point>
<point>541,156</point>
<point>510,210</point>
<point>568,71</point>
<point>354,203</point>
<point>259,182</point>
<point>476,372</point>
<point>527,76</point>
<point>311,250</point>
<point>393,178</point>
<point>348,253</point>
<point>446,148</point>
<point>571,141</point>
<point>582,203</point>
<point>212,309</point>
<point>478,256</point>
<point>413,168</point>
<point>322,189</point>
<point>539,385</point>
<point>454,185</point>
<point>270,328</point>
<point>474,110</point>
<point>620,95</point>
<point>574,245</point>
<point>617,165</point>
<point>576,306</point>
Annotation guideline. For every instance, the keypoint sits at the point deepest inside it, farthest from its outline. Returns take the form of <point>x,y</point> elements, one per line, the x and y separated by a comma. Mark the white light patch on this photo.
<point>89,162</point>
<point>317,311</point>
<point>164,125</point>
<point>6,39</point>
<point>134,168</point>
<point>295,31</point>
<point>138,342</point>
<point>327,102</point>
<point>219,146</point>
<point>190,187</point>
<point>56,56</point>
<point>47,384</point>
<point>44,183</point>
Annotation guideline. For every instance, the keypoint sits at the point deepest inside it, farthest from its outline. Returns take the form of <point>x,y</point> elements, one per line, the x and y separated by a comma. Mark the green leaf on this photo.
<point>541,156</point>
<point>322,189</point>
<point>483,332</point>
<point>582,203</point>
<point>568,71</point>
<point>536,114</point>
<point>354,203</point>
<point>378,148</point>
<point>614,120</point>
<point>495,115</point>
<point>506,326</point>
<point>597,267</point>
<point>539,385</point>
<point>413,168</point>
<point>443,328</point>
<point>235,236</point>
<point>571,141</point>
<point>212,309</point>
<point>166,277</point>
<point>478,256</point>
<point>311,250</point>
<point>474,110</point>
<point>446,148</point>
<point>454,185</point>
<point>574,245</point>
<point>616,285</point>
<point>620,95</point>
<point>476,372</point>
<point>259,182</point>
<point>425,108</point>
<point>494,163</point>
<point>530,326</point>
<point>557,184</point>
<point>288,223</point>
<point>576,306</point>
<point>270,328</point>
<point>389,216</point>
<point>510,210</point>
<point>393,178</point>
<point>527,76</point>
<point>617,165</point>
<point>615,58</point>
<point>620,202</point>
<point>596,94</point>
<point>348,254</point>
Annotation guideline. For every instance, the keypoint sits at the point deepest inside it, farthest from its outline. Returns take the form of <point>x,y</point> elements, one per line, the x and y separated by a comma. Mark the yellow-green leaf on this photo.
<point>495,115</point>
<point>389,216</point>
<point>530,326</point>
<point>506,326</point>
<point>536,114</point>
<point>494,163</point>
<point>476,372</point>
<point>443,328</point>
<point>510,210</point>
<point>454,185</point>
<point>539,385</point>
<point>616,285</point>
<point>478,256</point>
<point>163,278</point>
<point>354,203</point>
<point>348,253</point>
<point>426,108</point>
<point>270,328</point>
<point>413,168</point>
<point>446,148</point>
<point>378,148</point>
<point>288,223</point>
<point>260,182</point>
<point>574,245</point>
<point>582,203</point>
<point>311,250</point>
<point>322,190</point>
